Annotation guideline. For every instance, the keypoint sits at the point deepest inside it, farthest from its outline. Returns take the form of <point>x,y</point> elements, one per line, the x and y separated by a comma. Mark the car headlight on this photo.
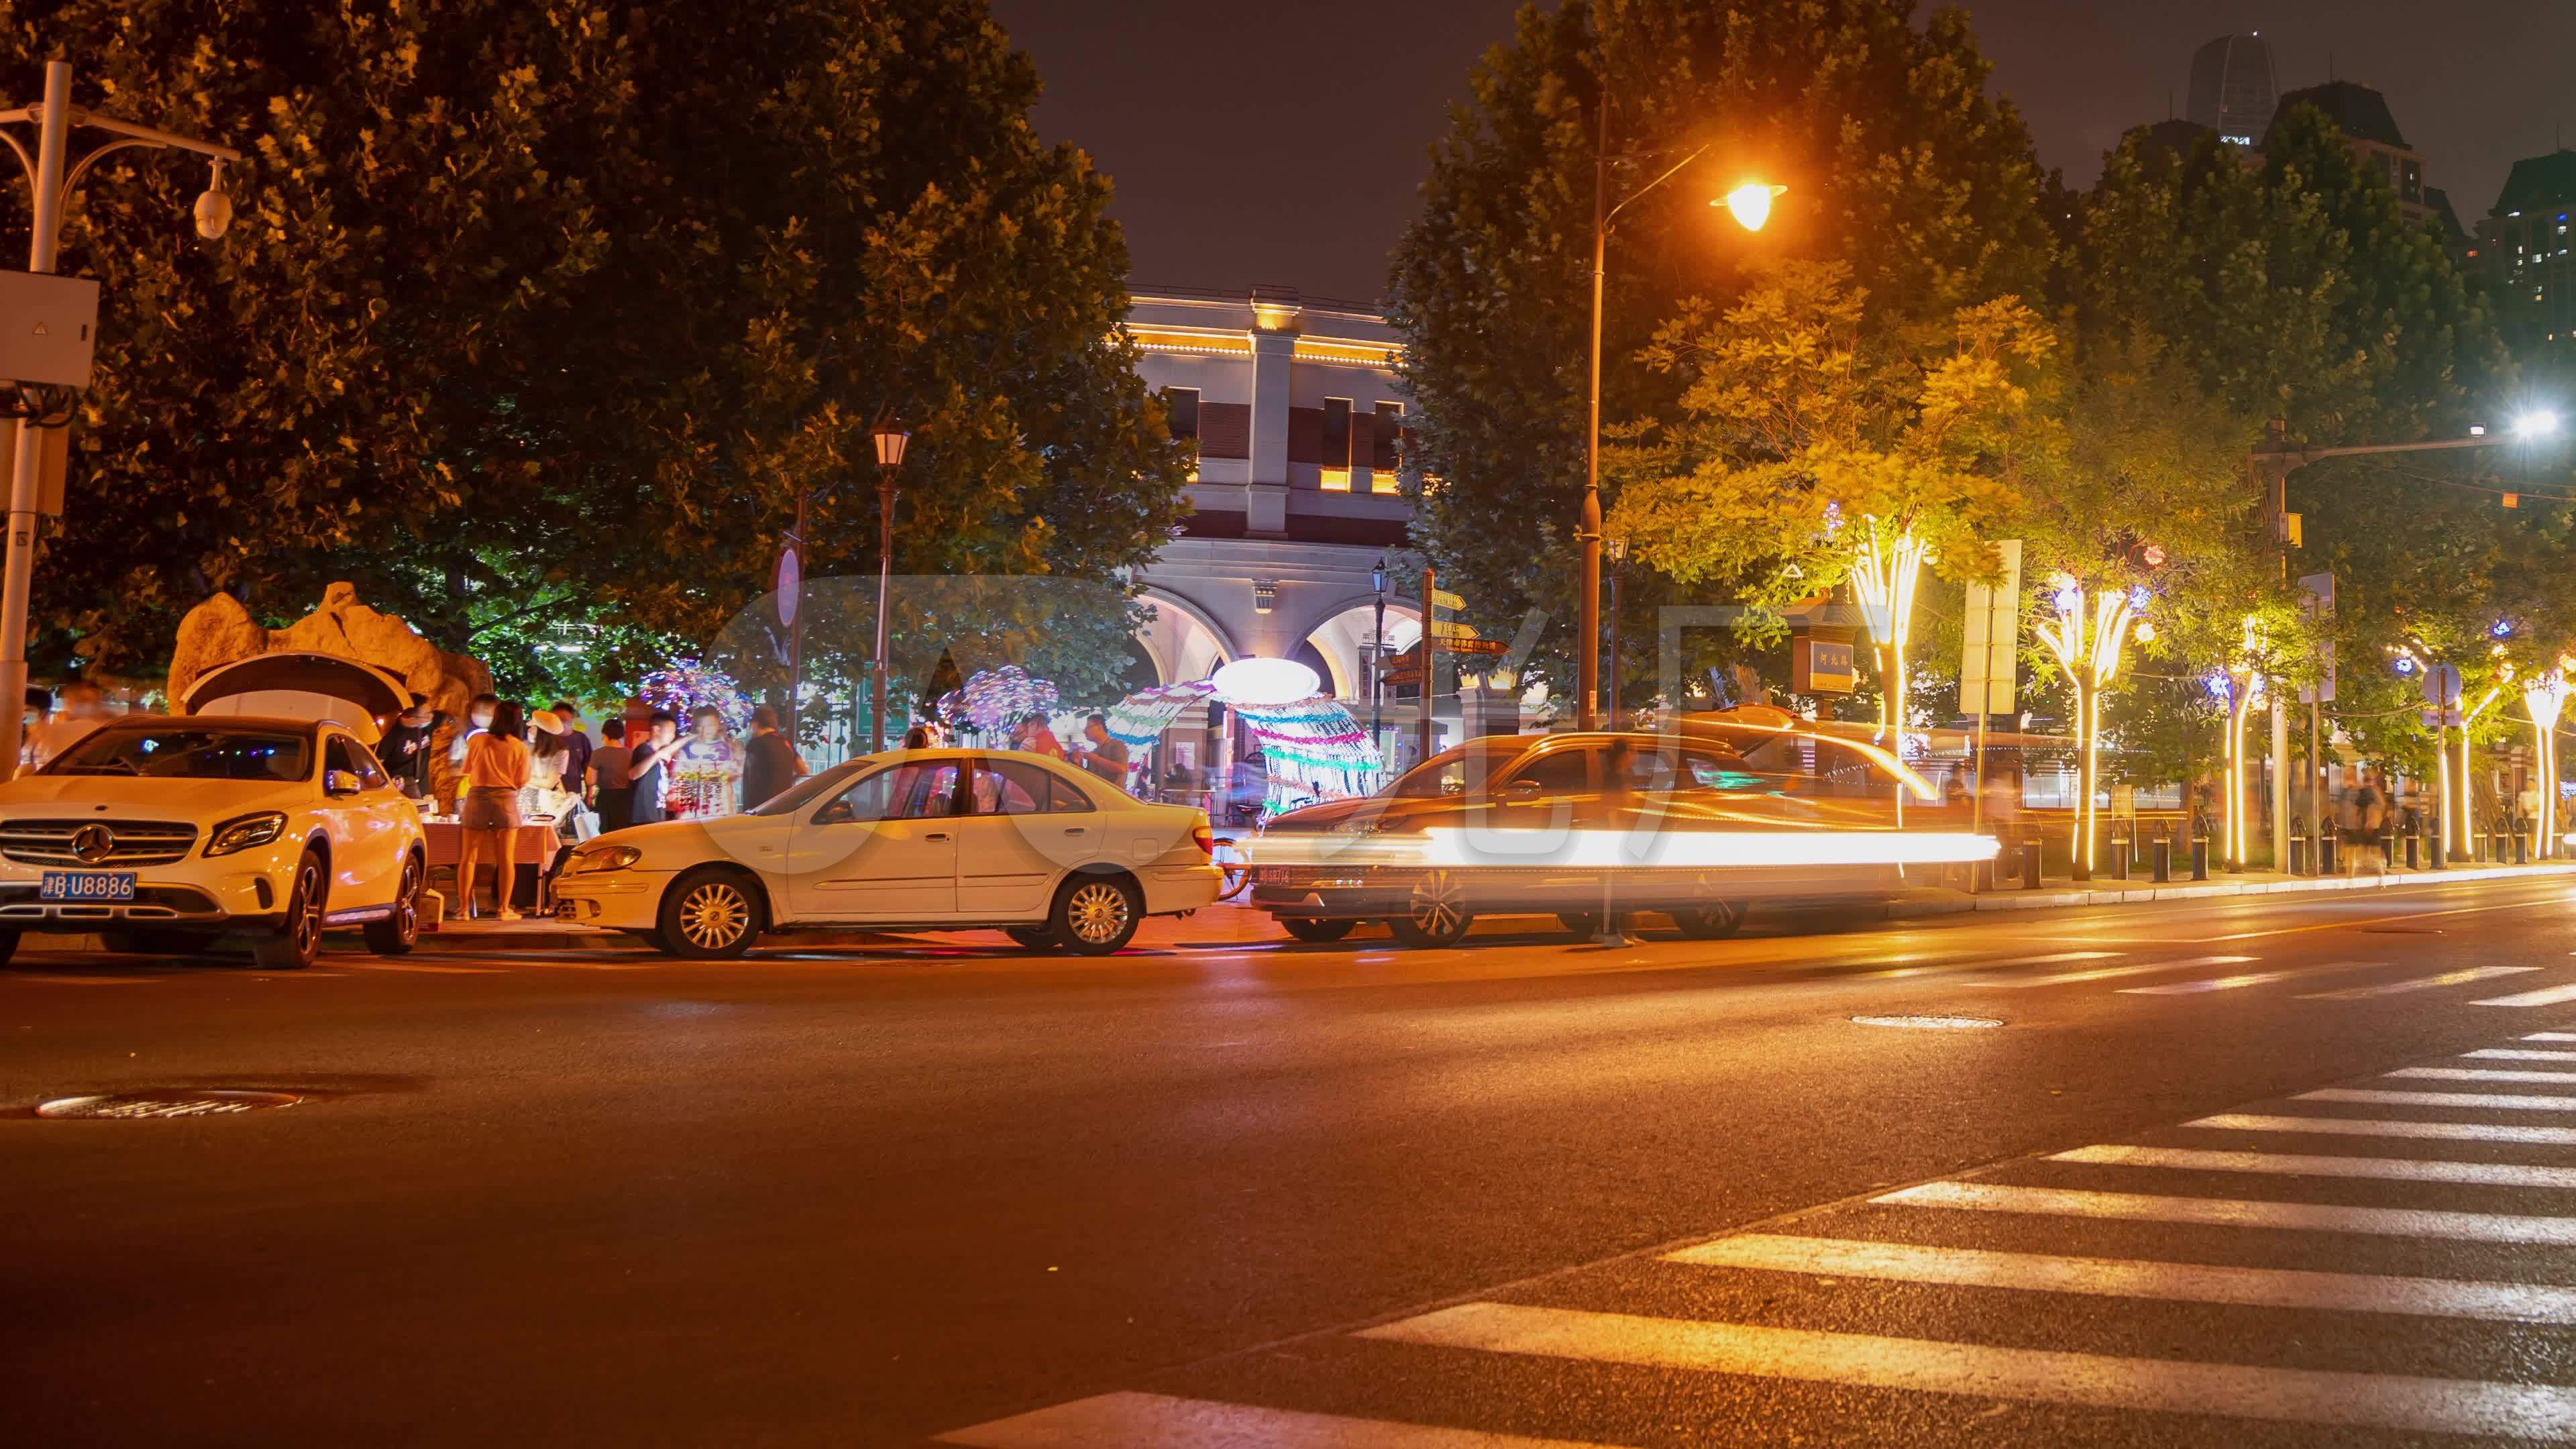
<point>615,857</point>
<point>248,831</point>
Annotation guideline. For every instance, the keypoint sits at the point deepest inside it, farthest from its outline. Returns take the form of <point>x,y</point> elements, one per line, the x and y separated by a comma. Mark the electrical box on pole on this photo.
<point>48,328</point>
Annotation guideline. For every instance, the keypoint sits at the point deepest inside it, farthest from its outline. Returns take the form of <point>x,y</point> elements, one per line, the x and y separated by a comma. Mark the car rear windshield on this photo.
<point>188,753</point>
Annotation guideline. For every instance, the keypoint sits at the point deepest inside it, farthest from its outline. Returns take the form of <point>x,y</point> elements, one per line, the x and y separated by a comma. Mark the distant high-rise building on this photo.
<point>2371,132</point>
<point>2528,257</point>
<point>2232,88</point>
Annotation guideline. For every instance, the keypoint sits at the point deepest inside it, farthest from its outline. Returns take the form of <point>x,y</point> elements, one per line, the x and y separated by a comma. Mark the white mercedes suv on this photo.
<point>162,833</point>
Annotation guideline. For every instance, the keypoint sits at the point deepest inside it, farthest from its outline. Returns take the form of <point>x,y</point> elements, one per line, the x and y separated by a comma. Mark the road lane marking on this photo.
<point>2132,1278</point>
<point>2239,1213</point>
<point>2478,1074</point>
<point>424,968</point>
<point>2513,1054</point>
<point>2551,1036</point>
<point>2392,988</point>
<point>2546,996</point>
<point>2363,1127</point>
<point>2293,1164</point>
<point>2308,1396</point>
<point>2369,921</point>
<point>2102,973</point>
<point>2250,978</point>
<point>1160,1421</point>
<point>2051,959</point>
<point>2507,1101</point>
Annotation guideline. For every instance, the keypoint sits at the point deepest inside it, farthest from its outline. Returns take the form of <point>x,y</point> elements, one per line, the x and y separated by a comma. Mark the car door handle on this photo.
<point>1073,830</point>
<point>941,835</point>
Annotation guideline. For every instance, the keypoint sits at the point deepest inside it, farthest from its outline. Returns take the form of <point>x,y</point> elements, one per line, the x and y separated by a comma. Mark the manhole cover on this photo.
<point>1930,1023</point>
<point>165,1104</point>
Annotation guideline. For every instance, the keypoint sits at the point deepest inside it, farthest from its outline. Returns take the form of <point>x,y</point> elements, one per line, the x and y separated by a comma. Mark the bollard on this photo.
<point>2522,850</point>
<point>2030,863</point>
<point>2200,860</point>
<point>2160,859</point>
<point>2120,857</point>
<point>2326,851</point>
<point>2298,852</point>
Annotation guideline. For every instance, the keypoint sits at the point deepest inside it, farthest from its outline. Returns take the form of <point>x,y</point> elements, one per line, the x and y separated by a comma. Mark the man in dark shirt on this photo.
<point>405,747</point>
<point>644,770</point>
<point>576,742</point>
<point>769,762</point>
<point>1107,757</point>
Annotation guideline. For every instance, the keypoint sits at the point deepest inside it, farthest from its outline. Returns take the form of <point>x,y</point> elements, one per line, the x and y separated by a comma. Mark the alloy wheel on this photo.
<point>1097,912</point>
<point>715,915</point>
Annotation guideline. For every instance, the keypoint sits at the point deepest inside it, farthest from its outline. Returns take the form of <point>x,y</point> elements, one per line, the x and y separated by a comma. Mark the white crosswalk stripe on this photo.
<point>2291,1164</point>
<point>2479,1074</point>
<point>2551,1036</point>
<point>1159,1421</point>
<point>2385,1401</point>
<point>2129,1278</point>
<point>2503,1101</point>
<point>2277,1197</point>
<point>2420,983</point>
<point>2105,973</point>
<point>2250,978</point>
<point>2358,1127</point>
<point>2546,996</point>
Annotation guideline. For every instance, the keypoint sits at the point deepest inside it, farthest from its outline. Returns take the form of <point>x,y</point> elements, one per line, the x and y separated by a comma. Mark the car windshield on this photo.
<point>188,752</point>
<point>813,787</point>
<point>1452,771</point>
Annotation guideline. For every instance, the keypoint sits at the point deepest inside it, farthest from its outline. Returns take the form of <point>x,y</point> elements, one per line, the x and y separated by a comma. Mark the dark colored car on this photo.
<point>1696,823</point>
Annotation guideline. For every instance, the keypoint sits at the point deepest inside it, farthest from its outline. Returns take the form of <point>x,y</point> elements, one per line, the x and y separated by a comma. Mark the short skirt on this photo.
<point>495,809</point>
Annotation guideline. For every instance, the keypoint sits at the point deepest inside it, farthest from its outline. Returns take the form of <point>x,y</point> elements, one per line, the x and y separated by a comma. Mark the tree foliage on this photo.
<point>1898,164</point>
<point>588,293</point>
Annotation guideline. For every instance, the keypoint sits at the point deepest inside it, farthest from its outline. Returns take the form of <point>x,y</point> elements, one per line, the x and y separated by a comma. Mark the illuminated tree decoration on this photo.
<point>2543,699</point>
<point>688,685</point>
<point>1884,572</point>
<point>2087,637</point>
<point>994,700</point>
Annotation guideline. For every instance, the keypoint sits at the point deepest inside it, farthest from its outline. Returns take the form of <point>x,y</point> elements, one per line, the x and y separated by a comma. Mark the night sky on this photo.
<point>1282,141</point>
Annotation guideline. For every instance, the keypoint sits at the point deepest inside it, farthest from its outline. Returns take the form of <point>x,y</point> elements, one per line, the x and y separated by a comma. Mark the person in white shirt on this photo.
<point>83,710</point>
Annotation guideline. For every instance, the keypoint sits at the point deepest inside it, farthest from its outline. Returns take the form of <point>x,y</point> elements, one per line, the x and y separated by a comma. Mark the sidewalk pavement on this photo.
<point>2105,892</point>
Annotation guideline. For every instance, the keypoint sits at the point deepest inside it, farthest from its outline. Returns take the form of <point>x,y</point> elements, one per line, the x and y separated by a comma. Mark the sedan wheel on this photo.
<point>1312,930</point>
<point>712,916</point>
<point>1033,938</point>
<point>1436,913</point>
<point>1711,921</point>
<point>1098,914</point>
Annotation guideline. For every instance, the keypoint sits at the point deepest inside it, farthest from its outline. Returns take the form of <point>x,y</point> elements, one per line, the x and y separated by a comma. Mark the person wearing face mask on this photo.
<point>83,710</point>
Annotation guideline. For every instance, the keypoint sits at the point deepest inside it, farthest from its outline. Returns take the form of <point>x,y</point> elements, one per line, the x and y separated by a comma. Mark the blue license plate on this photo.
<point>87,885</point>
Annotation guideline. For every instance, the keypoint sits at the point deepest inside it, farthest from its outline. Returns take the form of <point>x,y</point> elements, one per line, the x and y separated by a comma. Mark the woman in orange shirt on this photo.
<point>496,769</point>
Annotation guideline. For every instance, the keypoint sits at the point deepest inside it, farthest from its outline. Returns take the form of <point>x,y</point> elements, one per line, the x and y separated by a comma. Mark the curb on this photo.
<point>2044,899</point>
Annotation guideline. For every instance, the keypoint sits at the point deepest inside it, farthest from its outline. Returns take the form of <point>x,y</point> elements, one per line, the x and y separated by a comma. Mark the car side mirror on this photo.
<point>341,782</point>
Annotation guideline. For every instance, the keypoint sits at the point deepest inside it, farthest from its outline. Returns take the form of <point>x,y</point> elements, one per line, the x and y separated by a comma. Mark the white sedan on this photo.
<point>913,840</point>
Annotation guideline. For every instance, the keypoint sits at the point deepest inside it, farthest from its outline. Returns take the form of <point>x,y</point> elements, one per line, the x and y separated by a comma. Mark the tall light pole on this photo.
<point>1618,550</point>
<point>1377,659</point>
<point>1750,204</point>
<point>2271,462</point>
<point>49,188</point>
<point>891,438</point>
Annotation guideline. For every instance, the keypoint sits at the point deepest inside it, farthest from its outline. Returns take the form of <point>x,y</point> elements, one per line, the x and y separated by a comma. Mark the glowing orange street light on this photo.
<point>1751,203</point>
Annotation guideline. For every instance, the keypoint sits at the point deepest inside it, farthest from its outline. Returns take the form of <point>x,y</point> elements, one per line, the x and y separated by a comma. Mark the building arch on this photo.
<point>1183,640</point>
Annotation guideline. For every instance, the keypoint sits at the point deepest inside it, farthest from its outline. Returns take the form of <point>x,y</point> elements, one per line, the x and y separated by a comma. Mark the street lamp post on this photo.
<point>49,188</point>
<point>1750,204</point>
<point>1377,659</point>
<point>1618,551</point>
<point>891,439</point>
<point>2271,462</point>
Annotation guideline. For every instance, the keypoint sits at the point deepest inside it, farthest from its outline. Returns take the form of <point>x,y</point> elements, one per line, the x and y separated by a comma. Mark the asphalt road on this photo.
<point>1226,1190</point>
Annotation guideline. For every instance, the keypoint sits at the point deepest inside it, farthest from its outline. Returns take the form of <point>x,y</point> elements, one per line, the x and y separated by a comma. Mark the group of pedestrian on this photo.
<point>56,720</point>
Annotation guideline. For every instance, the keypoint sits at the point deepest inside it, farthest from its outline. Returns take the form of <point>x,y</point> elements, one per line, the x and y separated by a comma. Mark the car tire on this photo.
<point>710,915</point>
<point>294,945</point>
<point>1436,912</point>
<point>396,934</point>
<point>1317,932</point>
<point>1034,938</point>
<point>1711,922</point>
<point>1097,913</point>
